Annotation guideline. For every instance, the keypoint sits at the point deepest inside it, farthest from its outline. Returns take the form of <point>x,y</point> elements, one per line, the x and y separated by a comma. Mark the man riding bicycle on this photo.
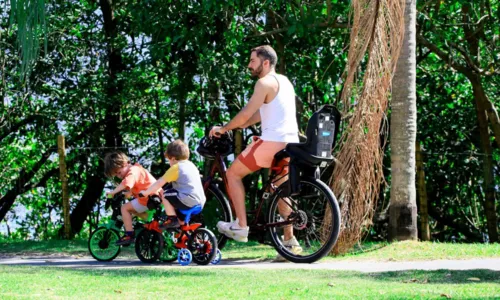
<point>273,104</point>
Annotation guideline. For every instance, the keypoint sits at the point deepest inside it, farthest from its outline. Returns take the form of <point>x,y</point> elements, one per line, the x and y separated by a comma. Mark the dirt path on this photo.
<point>361,266</point>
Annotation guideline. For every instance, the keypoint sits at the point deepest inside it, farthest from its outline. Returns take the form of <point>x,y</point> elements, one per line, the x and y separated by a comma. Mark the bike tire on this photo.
<point>203,246</point>
<point>101,244</point>
<point>216,209</point>
<point>149,245</point>
<point>329,236</point>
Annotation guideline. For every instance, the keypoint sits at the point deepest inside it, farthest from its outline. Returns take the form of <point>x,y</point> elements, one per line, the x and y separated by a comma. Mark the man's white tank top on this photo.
<point>278,120</point>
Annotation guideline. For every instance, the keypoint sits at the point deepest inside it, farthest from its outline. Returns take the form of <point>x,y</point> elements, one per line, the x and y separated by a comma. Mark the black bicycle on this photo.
<point>296,200</point>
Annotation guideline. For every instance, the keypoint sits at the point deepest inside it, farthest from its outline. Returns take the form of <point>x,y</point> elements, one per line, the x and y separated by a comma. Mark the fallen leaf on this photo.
<point>474,279</point>
<point>331,284</point>
<point>118,291</point>
<point>446,296</point>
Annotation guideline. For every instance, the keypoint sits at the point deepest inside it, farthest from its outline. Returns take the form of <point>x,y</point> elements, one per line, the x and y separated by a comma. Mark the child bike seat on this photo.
<point>321,131</point>
<point>192,211</point>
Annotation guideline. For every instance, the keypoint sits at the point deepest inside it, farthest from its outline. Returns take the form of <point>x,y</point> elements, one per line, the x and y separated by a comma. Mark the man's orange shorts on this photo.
<point>260,154</point>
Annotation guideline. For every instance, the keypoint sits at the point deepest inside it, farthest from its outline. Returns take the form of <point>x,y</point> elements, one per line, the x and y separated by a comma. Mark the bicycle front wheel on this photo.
<point>149,246</point>
<point>102,246</point>
<point>315,222</point>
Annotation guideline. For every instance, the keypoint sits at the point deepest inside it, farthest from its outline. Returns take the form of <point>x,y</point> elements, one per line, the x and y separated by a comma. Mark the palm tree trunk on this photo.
<point>403,208</point>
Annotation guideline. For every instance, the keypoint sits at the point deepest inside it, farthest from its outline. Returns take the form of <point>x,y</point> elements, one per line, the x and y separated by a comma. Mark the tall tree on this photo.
<point>472,54</point>
<point>403,207</point>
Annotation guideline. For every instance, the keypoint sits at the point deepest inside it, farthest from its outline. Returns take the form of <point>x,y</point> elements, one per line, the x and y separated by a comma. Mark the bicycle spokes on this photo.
<point>307,225</point>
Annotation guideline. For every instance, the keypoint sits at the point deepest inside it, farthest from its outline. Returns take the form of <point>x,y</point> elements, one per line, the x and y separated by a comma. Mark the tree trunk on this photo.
<point>112,136</point>
<point>489,181</point>
<point>487,105</point>
<point>403,208</point>
<point>21,185</point>
<point>61,149</point>
<point>95,185</point>
<point>160,135</point>
<point>425,234</point>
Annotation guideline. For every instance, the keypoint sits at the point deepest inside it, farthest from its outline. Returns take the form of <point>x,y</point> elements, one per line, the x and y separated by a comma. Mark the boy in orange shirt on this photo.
<point>135,179</point>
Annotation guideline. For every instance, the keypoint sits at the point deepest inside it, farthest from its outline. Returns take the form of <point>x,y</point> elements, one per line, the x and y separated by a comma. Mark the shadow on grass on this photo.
<point>414,277</point>
<point>443,276</point>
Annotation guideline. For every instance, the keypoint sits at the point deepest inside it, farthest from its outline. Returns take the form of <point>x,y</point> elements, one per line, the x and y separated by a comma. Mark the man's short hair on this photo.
<point>178,150</point>
<point>113,161</point>
<point>266,52</point>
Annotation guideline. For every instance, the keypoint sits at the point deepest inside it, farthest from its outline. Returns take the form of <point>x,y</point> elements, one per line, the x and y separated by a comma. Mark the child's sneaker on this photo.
<point>125,240</point>
<point>171,222</point>
<point>233,230</point>
<point>291,245</point>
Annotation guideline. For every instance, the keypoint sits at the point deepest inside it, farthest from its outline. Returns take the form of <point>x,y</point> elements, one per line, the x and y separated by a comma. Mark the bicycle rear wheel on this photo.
<point>203,246</point>
<point>315,217</point>
<point>216,209</point>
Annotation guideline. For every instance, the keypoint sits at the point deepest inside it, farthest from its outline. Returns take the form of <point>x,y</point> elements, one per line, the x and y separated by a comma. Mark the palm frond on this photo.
<point>29,18</point>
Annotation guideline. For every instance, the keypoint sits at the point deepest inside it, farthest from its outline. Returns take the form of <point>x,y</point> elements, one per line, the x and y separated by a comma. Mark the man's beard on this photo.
<point>256,73</point>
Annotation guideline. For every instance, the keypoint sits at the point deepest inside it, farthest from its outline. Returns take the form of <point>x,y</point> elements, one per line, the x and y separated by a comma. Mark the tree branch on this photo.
<point>443,55</point>
<point>323,25</point>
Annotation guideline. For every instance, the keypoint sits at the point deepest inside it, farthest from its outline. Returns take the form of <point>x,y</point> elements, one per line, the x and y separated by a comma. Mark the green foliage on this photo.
<point>183,69</point>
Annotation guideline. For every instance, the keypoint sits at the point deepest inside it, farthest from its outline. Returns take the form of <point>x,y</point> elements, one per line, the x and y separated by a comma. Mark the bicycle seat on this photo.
<point>321,133</point>
<point>192,211</point>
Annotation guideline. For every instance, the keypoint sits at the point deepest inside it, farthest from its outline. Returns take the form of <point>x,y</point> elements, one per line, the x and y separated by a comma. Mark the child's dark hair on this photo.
<point>178,150</point>
<point>113,161</point>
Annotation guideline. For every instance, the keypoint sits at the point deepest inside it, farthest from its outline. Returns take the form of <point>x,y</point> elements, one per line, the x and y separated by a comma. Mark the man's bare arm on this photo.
<point>253,120</point>
<point>259,96</point>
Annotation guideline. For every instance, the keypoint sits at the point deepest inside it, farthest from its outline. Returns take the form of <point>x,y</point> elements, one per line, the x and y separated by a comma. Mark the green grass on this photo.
<point>400,251</point>
<point>412,250</point>
<point>18,282</point>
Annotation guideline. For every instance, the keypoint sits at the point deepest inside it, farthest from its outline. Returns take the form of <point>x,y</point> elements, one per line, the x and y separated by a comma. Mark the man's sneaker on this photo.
<point>292,245</point>
<point>125,240</point>
<point>170,223</point>
<point>233,230</point>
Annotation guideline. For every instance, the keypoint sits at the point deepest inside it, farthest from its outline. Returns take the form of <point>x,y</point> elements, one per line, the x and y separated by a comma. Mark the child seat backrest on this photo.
<point>321,131</point>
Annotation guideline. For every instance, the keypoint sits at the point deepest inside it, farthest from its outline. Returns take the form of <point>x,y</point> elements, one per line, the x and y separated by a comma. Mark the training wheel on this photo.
<point>217,258</point>
<point>184,257</point>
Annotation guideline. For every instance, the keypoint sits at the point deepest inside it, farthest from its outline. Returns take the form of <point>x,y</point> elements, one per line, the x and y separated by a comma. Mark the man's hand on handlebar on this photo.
<point>217,131</point>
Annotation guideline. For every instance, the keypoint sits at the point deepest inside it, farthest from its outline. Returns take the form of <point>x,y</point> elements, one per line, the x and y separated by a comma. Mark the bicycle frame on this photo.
<point>219,167</point>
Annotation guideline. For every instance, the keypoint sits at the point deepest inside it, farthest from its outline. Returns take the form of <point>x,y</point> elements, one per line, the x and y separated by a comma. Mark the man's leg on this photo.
<point>236,190</point>
<point>284,206</point>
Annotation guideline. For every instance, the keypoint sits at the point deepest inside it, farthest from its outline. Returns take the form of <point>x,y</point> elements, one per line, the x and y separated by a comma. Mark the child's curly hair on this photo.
<point>113,161</point>
<point>178,150</point>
